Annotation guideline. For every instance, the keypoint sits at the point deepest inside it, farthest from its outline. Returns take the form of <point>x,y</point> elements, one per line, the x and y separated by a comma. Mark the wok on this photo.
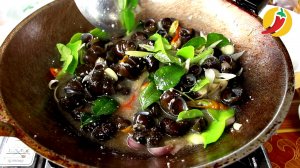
<point>29,112</point>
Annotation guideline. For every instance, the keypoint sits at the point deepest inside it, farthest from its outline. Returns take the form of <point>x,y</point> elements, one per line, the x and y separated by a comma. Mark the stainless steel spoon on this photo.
<point>103,14</point>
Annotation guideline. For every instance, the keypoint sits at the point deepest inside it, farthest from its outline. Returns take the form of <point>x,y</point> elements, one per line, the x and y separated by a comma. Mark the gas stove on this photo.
<point>14,153</point>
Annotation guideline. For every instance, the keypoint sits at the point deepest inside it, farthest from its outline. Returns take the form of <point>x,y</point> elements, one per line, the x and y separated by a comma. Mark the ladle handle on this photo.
<point>6,129</point>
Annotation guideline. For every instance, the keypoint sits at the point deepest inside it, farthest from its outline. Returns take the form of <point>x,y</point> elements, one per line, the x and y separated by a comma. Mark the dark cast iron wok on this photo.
<point>29,112</point>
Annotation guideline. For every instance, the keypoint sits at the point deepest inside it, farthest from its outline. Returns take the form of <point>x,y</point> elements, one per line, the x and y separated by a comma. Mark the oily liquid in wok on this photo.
<point>160,88</point>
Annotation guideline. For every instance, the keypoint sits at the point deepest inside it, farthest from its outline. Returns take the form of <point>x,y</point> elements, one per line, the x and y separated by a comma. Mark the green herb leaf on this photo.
<point>101,34</point>
<point>213,45</point>
<point>202,56</point>
<point>162,48</point>
<point>167,58</point>
<point>65,52</point>
<point>189,114</point>
<point>151,76</point>
<point>67,57</point>
<point>76,37</point>
<point>87,119</point>
<point>149,95</point>
<point>168,77</point>
<point>122,4</point>
<point>196,42</point>
<point>127,17</point>
<point>132,4</point>
<point>74,47</point>
<point>200,84</point>
<point>104,105</point>
<point>214,37</point>
<point>161,44</point>
<point>186,52</point>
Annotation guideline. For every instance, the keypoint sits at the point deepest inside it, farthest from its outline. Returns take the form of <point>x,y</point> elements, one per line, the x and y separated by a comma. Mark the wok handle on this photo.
<point>6,129</point>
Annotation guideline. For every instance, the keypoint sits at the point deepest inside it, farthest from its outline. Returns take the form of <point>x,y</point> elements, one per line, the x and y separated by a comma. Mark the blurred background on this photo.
<point>288,4</point>
<point>13,11</point>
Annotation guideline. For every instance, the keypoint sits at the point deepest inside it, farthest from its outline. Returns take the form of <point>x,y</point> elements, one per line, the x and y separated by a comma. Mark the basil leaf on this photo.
<point>186,52</point>
<point>189,114</point>
<point>75,37</point>
<point>149,95</point>
<point>167,58</point>
<point>101,34</point>
<point>87,119</point>
<point>104,105</point>
<point>196,42</point>
<point>214,37</point>
<point>202,56</point>
<point>167,77</point>
<point>200,84</point>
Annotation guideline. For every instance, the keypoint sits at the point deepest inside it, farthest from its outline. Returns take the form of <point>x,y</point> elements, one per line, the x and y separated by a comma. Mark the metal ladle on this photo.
<point>103,14</point>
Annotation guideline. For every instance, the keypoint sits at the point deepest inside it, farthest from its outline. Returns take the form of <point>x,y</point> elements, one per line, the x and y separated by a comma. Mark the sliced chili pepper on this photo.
<point>176,39</point>
<point>144,85</point>
<point>128,130</point>
<point>129,104</point>
<point>54,71</point>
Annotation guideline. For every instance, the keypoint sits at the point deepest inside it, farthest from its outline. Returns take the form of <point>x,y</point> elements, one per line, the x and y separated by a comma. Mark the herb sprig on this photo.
<point>127,14</point>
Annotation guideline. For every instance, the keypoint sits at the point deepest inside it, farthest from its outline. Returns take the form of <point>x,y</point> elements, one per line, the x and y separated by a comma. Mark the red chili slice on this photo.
<point>54,71</point>
<point>176,38</point>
